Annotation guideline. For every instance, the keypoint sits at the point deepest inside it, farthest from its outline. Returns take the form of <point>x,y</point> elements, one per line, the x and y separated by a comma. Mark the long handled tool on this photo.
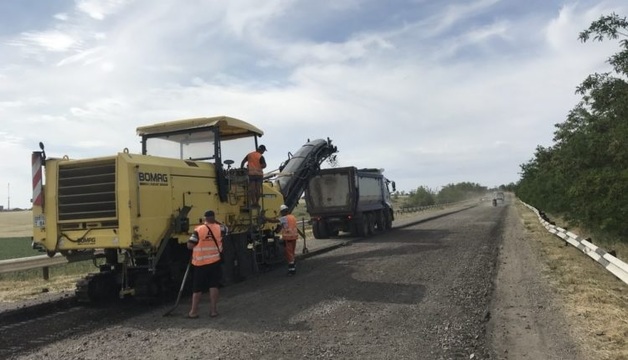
<point>176,304</point>
<point>305,250</point>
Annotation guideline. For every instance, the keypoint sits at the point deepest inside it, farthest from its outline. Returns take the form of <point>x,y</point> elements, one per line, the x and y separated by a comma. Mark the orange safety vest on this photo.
<point>255,163</point>
<point>289,231</point>
<point>206,252</point>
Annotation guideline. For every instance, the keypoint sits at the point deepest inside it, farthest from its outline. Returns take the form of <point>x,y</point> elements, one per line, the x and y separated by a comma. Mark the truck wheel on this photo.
<point>387,220</point>
<point>370,221</point>
<point>316,230</point>
<point>319,229</point>
<point>361,226</point>
<point>323,229</point>
<point>379,221</point>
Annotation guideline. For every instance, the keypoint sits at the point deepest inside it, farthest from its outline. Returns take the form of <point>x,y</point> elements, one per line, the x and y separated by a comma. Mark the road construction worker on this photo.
<point>289,235</point>
<point>206,246</point>
<point>256,164</point>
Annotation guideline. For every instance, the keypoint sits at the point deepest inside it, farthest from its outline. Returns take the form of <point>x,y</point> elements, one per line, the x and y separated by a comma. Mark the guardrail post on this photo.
<point>46,273</point>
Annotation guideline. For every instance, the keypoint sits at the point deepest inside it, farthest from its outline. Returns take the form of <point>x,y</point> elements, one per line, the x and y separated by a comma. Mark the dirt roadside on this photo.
<point>594,301</point>
<point>527,321</point>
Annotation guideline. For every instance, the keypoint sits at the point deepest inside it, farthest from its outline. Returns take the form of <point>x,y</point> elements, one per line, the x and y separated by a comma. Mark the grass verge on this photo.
<point>16,247</point>
<point>29,284</point>
<point>595,301</point>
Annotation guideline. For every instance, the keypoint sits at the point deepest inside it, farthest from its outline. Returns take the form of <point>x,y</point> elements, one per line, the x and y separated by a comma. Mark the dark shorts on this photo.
<point>256,178</point>
<point>206,276</point>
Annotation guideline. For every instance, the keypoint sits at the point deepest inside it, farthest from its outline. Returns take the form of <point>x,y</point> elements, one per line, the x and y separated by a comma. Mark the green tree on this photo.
<point>422,196</point>
<point>460,191</point>
<point>584,175</point>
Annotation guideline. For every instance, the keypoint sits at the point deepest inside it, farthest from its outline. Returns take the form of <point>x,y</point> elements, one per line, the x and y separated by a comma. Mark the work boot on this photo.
<point>292,269</point>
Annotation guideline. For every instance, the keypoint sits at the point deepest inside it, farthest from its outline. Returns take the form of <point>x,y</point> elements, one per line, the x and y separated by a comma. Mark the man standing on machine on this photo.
<point>256,164</point>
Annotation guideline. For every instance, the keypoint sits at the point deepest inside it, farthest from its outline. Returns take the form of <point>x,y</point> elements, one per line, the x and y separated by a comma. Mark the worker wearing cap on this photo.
<point>206,246</point>
<point>289,235</point>
<point>256,164</point>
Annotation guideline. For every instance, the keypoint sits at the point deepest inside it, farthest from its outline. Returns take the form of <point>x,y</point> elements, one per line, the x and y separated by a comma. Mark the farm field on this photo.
<point>15,224</point>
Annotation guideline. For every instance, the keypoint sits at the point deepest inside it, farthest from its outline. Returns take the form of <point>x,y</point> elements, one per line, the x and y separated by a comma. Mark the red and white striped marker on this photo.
<point>36,158</point>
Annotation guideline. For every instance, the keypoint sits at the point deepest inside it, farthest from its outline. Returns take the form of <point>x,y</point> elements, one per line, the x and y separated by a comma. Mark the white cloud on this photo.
<point>61,16</point>
<point>441,22</point>
<point>53,40</point>
<point>85,56</point>
<point>99,9</point>
<point>435,100</point>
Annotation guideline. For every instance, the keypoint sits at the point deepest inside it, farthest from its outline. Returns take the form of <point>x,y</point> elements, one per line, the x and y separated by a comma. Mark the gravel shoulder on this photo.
<point>527,321</point>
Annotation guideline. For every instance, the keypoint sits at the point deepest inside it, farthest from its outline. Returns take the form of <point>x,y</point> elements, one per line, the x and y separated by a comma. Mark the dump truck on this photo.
<point>133,213</point>
<point>351,200</point>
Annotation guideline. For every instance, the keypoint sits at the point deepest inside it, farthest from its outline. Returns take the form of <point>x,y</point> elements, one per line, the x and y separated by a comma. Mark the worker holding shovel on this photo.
<point>206,246</point>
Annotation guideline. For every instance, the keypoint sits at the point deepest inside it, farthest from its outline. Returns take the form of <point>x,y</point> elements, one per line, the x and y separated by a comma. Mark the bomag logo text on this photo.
<point>156,179</point>
<point>86,241</point>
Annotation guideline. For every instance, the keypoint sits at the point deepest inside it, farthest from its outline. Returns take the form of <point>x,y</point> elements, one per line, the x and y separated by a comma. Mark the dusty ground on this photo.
<point>421,292</point>
<point>594,301</point>
<point>527,322</point>
<point>436,290</point>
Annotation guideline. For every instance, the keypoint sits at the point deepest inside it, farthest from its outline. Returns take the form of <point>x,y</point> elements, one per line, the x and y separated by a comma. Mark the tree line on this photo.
<point>424,196</point>
<point>583,175</point>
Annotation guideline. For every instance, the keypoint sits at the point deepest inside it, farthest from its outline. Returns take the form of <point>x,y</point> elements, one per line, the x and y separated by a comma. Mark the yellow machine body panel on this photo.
<point>129,201</point>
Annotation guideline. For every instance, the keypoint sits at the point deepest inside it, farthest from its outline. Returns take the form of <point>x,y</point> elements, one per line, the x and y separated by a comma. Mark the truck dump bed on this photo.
<point>343,191</point>
<point>330,192</point>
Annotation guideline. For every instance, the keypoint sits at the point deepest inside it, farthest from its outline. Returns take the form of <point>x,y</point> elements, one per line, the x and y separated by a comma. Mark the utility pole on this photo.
<point>8,196</point>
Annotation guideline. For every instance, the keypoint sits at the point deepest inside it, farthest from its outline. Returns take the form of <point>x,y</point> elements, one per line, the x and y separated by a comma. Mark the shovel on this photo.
<point>302,233</point>
<point>176,304</point>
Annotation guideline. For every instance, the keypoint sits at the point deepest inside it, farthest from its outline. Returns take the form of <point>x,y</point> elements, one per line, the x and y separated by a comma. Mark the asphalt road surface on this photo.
<point>420,292</point>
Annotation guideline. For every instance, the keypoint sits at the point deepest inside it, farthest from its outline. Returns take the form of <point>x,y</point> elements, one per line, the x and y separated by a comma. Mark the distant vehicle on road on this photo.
<point>498,196</point>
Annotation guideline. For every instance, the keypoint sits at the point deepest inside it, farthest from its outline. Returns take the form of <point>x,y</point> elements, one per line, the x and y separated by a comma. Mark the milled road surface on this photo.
<point>421,292</point>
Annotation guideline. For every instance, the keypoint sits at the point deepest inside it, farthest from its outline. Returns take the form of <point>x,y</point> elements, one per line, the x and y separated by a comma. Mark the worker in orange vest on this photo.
<point>289,235</point>
<point>206,246</point>
<point>256,164</point>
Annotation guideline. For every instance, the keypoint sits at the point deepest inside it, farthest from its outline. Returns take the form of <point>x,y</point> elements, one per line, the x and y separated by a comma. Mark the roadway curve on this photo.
<point>424,291</point>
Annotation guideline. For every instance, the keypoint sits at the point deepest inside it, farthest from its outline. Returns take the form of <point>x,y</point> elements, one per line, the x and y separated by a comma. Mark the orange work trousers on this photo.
<point>289,249</point>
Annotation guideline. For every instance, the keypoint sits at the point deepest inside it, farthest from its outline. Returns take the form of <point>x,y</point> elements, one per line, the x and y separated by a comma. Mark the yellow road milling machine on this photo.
<point>133,213</point>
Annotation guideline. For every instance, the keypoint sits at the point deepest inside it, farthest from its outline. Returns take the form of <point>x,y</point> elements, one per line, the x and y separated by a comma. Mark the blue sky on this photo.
<point>435,92</point>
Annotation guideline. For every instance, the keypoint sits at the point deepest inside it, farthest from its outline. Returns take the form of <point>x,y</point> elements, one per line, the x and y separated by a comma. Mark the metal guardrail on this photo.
<point>404,210</point>
<point>601,256</point>
<point>412,209</point>
<point>32,262</point>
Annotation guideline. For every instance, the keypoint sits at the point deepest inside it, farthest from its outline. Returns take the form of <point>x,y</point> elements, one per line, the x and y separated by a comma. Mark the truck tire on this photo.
<point>387,220</point>
<point>315,230</point>
<point>319,229</point>
<point>361,226</point>
<point>370,221</point>
<point>324,229</point>
<point>380,221</point>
